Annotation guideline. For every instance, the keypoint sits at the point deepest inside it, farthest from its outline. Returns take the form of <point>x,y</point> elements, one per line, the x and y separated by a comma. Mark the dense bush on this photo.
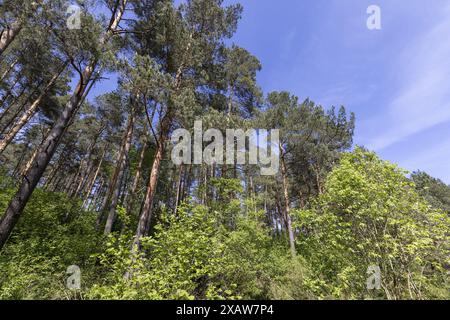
<point>370,214</point>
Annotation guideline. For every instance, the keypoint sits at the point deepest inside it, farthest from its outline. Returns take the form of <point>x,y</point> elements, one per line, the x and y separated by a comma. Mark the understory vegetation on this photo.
<point>88,187</point>
<point>368,214</point>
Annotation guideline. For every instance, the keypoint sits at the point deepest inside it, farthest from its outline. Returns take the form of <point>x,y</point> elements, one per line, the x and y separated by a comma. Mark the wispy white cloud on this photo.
<point>424,75</point>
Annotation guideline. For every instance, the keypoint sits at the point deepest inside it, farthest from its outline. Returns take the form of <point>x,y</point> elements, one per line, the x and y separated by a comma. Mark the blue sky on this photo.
<point>396,80</point>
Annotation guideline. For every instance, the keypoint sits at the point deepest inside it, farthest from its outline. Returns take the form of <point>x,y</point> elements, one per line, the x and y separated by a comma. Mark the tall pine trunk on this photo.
<point>137,176</point>
<point>287,207</point>
<point>112,183</point>
<point>94,178</point>
<point>8,70</point>
<point>120,170</point>
<point>146,212</point>
<point>179,187</point>
<point>10,107</point>
<point>85,173</point>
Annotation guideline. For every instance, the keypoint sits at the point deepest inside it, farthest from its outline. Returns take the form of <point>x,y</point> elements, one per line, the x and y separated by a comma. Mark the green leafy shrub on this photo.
<point>53,234</point>
<point>371,214</point>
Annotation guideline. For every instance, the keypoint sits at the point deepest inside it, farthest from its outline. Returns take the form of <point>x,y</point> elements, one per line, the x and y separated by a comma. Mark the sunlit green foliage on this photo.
<point>54,234</point>
<point>371,214</point>
<point>197,254</point>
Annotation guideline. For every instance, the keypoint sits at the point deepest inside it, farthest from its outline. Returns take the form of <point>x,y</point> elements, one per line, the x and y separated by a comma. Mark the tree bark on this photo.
<point>8,70</point>
<point>17,110</point>
<point>86,173</point>
<point>97,195</point>
<point>137,176</point>
<point>120,170</point>
<point>146,212</point>
<point>9,92</point>
<point>92,182</point>
<point>11,106</point>
<point>287,207</point>
<point>179,186</point>
<point>187,184</point>
<point>112,183</point>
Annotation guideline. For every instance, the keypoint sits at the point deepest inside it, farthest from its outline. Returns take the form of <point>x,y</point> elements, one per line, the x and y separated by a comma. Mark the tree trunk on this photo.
<point>86,173</point>
<point>84,177</point>
<point>205,184</point>
<point>179,185</point>
<point>9,92</point>
<point>72,180</point>
<point>145,216</point>
<point>187,184</point>
<point>8,70</point>
<point>48,148</point>
<point>92,182</point>
<point>112,183</point>
<point>19,162</point>
<point>10,107</point>
<point>97,195</point>
<point>125,186</point>
<point>319,184</point>
<point>18,110</point>
<point>24,169</point>
<point>120,170</point>
<point>287,207</point>
<point>147,207</point>
<point>50,176</point>
<point>137,176</point>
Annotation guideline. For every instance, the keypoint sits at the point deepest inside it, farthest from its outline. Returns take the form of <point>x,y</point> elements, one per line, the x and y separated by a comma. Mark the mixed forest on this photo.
<point>88,180</point>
